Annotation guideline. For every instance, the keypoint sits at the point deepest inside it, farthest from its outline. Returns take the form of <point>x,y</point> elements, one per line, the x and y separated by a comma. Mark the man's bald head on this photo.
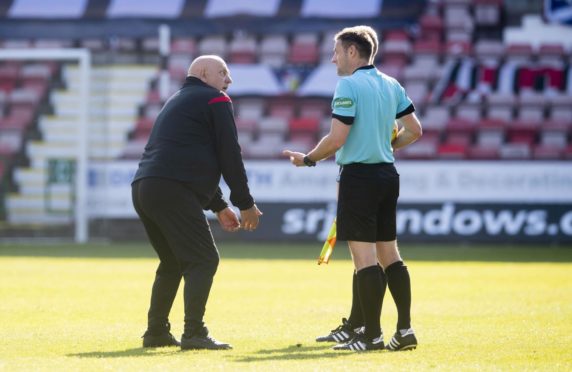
<point>212,70</point>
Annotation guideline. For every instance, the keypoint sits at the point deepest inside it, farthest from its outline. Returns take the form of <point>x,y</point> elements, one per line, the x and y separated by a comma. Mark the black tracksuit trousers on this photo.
<point>180,234</point>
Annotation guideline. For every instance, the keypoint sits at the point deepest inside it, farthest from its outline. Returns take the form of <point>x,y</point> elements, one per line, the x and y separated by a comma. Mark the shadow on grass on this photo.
<point>134,352</point>
<point>293,352</point>
<point>306,251</point>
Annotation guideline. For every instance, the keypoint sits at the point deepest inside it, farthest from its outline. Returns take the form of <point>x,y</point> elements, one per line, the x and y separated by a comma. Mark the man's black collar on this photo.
<point>368,67</point>
<point>194,80</point>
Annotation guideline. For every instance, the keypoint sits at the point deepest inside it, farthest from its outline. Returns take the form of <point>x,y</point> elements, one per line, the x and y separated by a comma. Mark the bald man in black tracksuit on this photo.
<point>193,142</point>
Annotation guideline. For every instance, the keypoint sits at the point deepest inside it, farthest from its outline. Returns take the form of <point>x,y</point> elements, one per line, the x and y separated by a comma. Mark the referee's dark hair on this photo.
<point>358,37</point>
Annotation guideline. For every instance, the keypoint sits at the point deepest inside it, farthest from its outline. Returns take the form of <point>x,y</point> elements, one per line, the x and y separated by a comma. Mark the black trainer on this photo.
<point>343,333</point>
<point>201,340</point>
<point>404,339</point>
<point>165,338</point>
<point>361,343</point>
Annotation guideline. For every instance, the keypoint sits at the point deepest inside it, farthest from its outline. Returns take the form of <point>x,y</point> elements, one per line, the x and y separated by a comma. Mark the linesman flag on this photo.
<point>329,244</point>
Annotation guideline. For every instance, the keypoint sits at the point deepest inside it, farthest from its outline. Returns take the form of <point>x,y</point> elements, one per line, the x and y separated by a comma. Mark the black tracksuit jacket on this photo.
<point>194,141</point>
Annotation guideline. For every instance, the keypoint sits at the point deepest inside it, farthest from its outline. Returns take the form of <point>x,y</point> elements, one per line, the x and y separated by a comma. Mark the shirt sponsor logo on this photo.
<point>343,102</point>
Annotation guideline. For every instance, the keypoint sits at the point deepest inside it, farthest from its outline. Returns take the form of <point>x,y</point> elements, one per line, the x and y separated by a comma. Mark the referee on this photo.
<point>366,103</point>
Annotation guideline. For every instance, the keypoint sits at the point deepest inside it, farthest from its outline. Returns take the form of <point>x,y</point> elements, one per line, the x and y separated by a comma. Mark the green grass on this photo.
<point>474,308</point>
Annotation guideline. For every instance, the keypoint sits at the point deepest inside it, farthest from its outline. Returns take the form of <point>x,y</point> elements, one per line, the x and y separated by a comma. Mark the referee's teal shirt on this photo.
<point>369,101</point>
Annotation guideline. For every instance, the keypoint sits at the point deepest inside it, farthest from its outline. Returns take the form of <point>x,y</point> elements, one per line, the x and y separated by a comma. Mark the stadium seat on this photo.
<point>431,27</point>
<point>501,106</point>
<point>451,151</point>
<point>487,48</point>
<point>544,152</point>
<point>515,151</point>
<point>185,46</point>
<point>490,133</point>
<point>478,152</point>
<point>435,119</point>
<point>422,69</point>
<point>20,117</point>
<point>425,148</point>
<point>396,48</point>
<point>418,91</point>
<point>245,125</point>
<point>267,146</point>
<point>487,12</point>
<point>461,125</point>
<point>567,153</point>
<point>243,49</point>
<point>469,112</point>
<point>314,108</point>
<point>143,128</point>
<point>273,50</point>
<point>304,49</point>
<point>11,141</point>
<point>301,142</point>
<point>249,108</point>
<point>281,107</point>
<point>178,66</point>
<point>305,125</point>
<point>213,44</point>
<point>273,124</point>
<point>550,53</point>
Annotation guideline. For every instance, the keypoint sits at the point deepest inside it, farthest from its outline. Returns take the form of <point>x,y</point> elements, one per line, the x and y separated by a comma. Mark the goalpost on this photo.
<point>83,58</point>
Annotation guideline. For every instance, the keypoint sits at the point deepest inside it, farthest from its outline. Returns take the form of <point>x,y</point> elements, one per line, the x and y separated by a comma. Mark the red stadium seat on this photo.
<point>308,125</point>
<point>452,151</point>
<point>282,107</point>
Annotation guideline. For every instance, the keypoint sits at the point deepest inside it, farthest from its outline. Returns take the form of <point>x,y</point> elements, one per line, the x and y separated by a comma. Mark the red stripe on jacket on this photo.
<point>220,99</point>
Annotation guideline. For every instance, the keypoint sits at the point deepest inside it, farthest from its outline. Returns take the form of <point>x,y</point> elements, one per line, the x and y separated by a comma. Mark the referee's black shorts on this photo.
<point>367,202</point>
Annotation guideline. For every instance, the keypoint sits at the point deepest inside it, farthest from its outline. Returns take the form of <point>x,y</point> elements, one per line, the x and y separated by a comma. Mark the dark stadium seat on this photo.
<point>544,152</point>
<point>20,117</point>
<point>483,153</point>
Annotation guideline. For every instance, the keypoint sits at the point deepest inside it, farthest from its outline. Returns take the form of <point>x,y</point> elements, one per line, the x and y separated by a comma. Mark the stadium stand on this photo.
<point>487,84</point>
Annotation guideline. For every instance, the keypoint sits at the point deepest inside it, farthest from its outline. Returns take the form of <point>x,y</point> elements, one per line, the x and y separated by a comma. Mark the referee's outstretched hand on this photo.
<point>249,218</point>
<point>296,158</point>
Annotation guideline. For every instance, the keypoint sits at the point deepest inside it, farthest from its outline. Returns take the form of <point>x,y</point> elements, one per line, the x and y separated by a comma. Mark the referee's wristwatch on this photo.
<point>309,162</point>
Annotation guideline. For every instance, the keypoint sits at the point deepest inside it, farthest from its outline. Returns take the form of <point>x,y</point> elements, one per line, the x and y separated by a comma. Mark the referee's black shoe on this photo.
<point>403,339</point>
<point>343,333</point>
<point>153,338</point>
<point>201,340</point>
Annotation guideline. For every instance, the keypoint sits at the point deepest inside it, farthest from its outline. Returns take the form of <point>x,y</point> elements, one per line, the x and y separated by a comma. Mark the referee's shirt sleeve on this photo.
<point>229,152</point>
<point>404,103</point>
<point>344,102</point>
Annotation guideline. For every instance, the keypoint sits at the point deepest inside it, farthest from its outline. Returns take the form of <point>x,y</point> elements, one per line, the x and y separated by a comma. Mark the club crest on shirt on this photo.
<point>343,102</point>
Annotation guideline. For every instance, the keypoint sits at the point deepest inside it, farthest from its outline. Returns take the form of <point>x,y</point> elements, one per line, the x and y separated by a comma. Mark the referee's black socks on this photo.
<point>371,296</point>
<point>399,284</point>
<point>356,315</point>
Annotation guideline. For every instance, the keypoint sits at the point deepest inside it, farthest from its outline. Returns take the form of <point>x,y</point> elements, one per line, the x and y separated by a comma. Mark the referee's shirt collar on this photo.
<point>368,67</point>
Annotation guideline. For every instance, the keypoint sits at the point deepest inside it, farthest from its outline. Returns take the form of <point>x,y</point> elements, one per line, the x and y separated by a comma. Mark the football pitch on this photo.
<point>83,308</point>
